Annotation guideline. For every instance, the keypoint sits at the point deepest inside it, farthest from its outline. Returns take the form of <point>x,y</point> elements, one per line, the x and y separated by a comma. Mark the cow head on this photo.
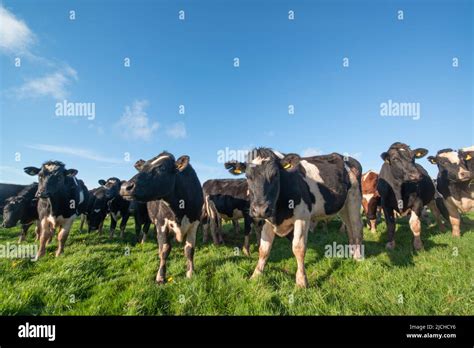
<point>97,211</point>
<point>111,187</point>
<point>401,161</point>
<point>51,177</point>
<point>453,165</point>
<point>156,177</point>
<point>12,211</point>
<point>263,173</point>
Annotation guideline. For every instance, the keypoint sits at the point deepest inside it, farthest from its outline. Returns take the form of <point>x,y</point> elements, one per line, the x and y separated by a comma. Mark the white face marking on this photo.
<point>51,167</point>
<point>364,177</point>
<point>81,197</point>
<point>368,196</point>
<point>451,156</point>
<point>96,210</point>
<point>259,160</point>
<point>159,159</point>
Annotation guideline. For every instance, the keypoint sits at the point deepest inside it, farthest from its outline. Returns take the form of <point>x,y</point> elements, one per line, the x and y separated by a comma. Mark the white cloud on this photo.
<point>177,130</point>
<point>74,151</point>
<point>15,36</point>
<point>311,151</point>
<point>135,124</point>
<point>54,85</point>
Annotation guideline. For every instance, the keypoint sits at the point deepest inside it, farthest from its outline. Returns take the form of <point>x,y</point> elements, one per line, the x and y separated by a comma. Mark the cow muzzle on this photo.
<point>261,211</point>
<point>127,190</point>
<point>42,194</point>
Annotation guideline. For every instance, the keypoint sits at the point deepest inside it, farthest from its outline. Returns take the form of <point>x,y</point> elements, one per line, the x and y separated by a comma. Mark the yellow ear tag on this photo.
<point>468,157</point>
<point>418,154</point>
<point>287,166</point>
<point>386,161</point>
<point>237,171</point>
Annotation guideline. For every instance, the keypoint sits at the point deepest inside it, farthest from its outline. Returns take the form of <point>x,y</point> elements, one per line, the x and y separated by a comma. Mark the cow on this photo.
<point>454,183</point>
<point>228,199</point>
<point>174,199</point>
<point>288,190</point>
<point>405,188</point>
<point>62,197</point>
<point>96,211</point>
<point>118,207</point>
<point>370,198</point>
<point>22,208</point>
<point>7,191</point>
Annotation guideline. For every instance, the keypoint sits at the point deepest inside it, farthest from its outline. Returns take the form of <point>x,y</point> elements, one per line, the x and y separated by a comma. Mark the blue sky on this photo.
<point>282,62</point>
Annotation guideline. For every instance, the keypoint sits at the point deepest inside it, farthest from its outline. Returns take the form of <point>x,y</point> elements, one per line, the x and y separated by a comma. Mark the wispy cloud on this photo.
<point>74,151</point>
<point>54,85</point>
<point>177,130</point>
<point>15,36</point>
<point>311,151</point>
<point>135,123</point>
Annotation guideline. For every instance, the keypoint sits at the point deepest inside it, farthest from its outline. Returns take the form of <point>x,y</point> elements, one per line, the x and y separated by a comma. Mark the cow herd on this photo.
<point>281,195</point>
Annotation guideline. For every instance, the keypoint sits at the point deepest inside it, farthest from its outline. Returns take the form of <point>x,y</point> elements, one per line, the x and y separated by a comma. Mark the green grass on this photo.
<point>95,276</point>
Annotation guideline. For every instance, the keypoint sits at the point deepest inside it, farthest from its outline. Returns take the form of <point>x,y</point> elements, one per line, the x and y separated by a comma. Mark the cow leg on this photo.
<point>390,221</point>
<point>101,226</point>
<point>24,230</point>
<point>258,230</point>
<point>46,230</point>
<point>164,248</point>
<point>123,225</point>
<point>300,237</point>
<point>62,236</point>
<point>350,215</point>
<point>214,229</point>
<point>266,242</point>
<point>454,217</point>
<point>83,219</point>
<point>343,228</point>
<point>189,248</point>
<point>38,229</point>
<point>247,229</point>
<point>415,226</point>
<point>146,228</point>
<point>372,215</point>
<point>113,224</point>
<point>437,215</point>
<point>205,230</point>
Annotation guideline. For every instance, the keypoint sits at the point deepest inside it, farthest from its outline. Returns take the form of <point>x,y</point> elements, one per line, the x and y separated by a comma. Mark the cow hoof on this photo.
<point>417,244</point>
<point>374,231</point>
<point>301,282</point>
<point>58,253</point>
<point>189,274</point>
<point>246,251</point>
<point>256,274</point>
<point>390,245</point>
<point>457,235</point>
<point>160,281</point>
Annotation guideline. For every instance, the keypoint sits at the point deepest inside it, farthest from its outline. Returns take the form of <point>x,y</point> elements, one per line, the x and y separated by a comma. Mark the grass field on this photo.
<point>96,276</point>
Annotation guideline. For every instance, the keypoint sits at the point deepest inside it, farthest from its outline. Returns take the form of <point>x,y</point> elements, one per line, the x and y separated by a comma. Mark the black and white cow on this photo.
<point>22,208</point>
<point>96,211</point>
<point>62,198</point>
<point>404,188</point>
<point>455,183</point>
<point>228,199</point>
<point>288,190</point>
<point>118,207</point>
<point>175,200</point>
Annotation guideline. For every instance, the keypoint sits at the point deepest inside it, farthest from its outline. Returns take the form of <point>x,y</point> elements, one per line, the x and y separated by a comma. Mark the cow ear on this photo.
<point>384,156</point>
<point>432,159</point>
<point>139,164</point>
<point>31,170</point>
<point>101,182</point>
<point>235,167</point>
<point>71,172</point>
<point>182,163</point>
<point>420,152</point>
<point>290,162</point>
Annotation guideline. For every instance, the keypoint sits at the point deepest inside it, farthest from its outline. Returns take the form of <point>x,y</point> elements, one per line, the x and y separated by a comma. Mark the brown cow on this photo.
<point>370,198</point>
